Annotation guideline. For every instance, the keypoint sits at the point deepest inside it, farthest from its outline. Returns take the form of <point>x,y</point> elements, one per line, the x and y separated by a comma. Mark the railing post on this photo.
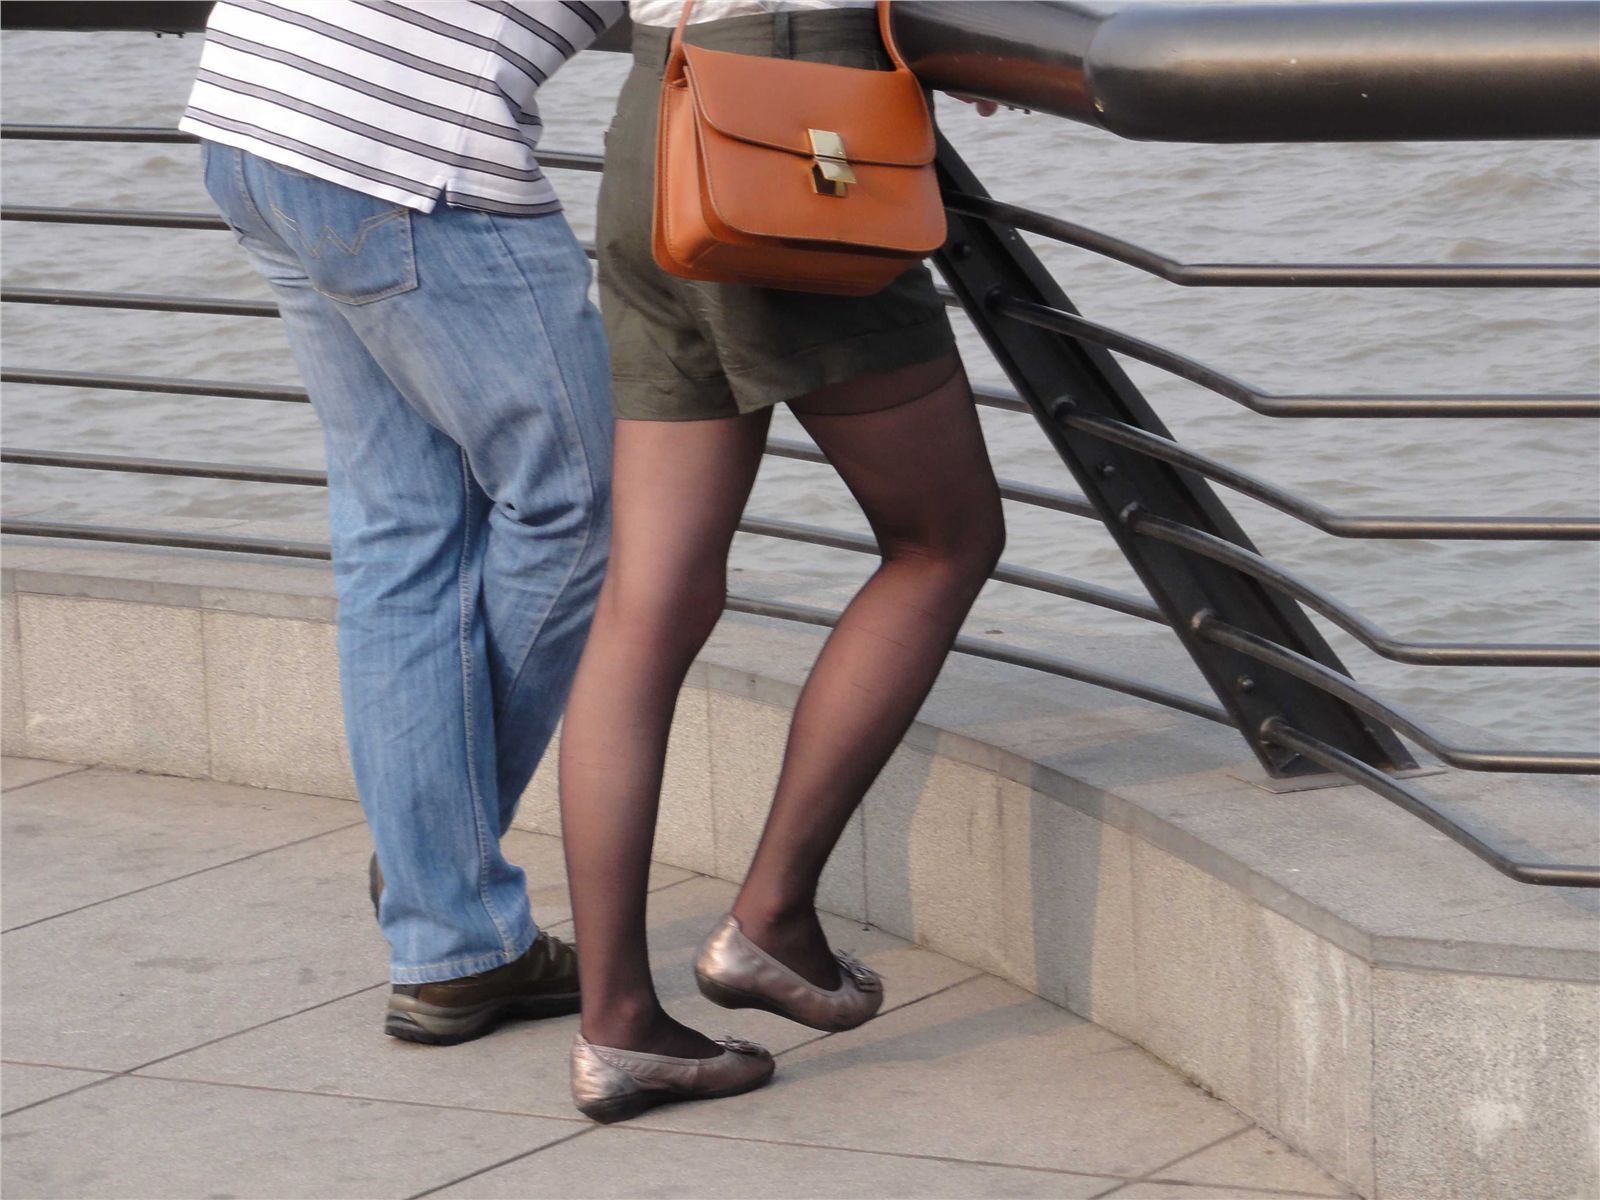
<point>1059,377</point>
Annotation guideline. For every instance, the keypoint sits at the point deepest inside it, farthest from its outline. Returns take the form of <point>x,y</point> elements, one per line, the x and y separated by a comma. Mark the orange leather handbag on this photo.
<point>788,174</point>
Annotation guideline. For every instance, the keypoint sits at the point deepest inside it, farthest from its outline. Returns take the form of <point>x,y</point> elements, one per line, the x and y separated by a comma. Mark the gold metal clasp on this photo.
<point>830,173</point>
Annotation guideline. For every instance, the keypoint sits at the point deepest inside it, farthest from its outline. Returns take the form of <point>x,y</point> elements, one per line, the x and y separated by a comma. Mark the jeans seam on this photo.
<point>244,189</point>
<point>467,603</point>
<point>588,470</point>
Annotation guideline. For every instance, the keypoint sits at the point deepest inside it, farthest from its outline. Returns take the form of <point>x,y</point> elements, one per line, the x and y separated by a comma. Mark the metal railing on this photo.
<point>1238,614</point>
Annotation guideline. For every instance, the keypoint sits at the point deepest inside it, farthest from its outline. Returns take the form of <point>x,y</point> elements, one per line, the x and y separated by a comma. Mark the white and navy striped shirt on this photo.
<point>413,102</point>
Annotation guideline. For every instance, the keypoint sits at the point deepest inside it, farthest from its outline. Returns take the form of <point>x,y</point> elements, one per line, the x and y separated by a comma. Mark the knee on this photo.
<point>964,553</point>
<point>677,613</point>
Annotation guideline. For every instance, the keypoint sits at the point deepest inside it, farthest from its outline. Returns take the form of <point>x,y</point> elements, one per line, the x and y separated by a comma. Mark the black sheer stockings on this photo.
<point>908,445</point>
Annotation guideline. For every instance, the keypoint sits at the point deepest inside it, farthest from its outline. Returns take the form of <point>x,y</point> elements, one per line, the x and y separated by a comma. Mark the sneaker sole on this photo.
<point>431,1025</point>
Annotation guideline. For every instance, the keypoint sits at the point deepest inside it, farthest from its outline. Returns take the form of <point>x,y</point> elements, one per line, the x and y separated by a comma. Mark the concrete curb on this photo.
<point>1348,978</point>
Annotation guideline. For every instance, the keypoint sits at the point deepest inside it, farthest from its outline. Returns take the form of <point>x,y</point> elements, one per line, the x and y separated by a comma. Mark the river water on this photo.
<point>1419,202</point>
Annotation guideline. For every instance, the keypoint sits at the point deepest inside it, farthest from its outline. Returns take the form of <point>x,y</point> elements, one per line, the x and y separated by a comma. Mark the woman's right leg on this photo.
<point>678,490</point>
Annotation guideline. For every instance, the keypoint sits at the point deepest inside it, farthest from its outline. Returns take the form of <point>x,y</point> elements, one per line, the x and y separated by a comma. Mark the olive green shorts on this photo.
<point>687,351</point>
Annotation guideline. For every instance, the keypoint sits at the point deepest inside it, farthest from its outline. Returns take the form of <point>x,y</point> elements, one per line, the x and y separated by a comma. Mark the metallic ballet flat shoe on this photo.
<point>612,1085</point>
<point>736,973</point>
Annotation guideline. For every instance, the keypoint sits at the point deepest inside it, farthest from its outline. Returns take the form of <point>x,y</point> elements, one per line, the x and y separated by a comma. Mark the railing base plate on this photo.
<point>1251,773</point>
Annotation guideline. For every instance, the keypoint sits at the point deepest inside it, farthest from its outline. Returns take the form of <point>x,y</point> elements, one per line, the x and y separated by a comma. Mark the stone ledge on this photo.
<point>1336,969</point>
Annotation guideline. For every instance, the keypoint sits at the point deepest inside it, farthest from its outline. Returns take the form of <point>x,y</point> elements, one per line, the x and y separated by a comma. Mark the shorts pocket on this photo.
<point>355,248</point>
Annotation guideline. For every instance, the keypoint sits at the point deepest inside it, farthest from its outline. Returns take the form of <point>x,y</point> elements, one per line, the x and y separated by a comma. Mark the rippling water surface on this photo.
<point>1427,203</point>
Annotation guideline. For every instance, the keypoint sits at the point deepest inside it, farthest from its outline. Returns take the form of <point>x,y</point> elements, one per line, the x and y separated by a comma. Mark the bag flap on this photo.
<point>881,115</point>
<point>762,193</point>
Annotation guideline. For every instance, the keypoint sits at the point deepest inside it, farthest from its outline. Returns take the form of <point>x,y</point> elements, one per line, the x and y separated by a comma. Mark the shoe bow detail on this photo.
<point>863,976</point>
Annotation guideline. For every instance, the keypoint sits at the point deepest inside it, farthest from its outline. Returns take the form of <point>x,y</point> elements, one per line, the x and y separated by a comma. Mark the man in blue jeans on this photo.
<point>376,162</point>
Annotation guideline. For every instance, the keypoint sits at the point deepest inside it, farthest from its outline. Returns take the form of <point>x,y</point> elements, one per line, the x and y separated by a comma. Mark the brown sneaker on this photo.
<point>542,983</point>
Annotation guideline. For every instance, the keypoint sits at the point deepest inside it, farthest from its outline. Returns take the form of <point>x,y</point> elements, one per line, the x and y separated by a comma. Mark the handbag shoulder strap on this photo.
<point>885,30</point>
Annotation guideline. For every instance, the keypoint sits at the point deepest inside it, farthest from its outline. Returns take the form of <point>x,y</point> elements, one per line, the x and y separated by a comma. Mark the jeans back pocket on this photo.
<point>355,248</point>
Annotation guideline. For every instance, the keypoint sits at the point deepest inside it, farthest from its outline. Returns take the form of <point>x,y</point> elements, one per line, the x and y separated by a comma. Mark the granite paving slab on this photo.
<point>625,1163</point>
<point>339,1049</point>
<point>158,1139</point>
<point>21,772</point>
<point>241,1007</point>
<point>982,1072</point>
<point>88,836</point>
<point>22,1084</point>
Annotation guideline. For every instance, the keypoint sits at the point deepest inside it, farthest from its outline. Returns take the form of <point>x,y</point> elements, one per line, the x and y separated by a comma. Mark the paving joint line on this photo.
<point>899,1008</point>
<point>77,769</point>
<point>1248,1189</point>
<point>503,1163</point>
<point>180,878</point>
<point>252,1028</point>
<point>356,1097</point>
<point>1188,1154</point>
<point>905,1154</point>
<point>11,1112</point>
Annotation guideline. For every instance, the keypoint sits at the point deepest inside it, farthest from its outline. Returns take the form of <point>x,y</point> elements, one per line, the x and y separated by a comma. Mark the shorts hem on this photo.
<point>750,390</point>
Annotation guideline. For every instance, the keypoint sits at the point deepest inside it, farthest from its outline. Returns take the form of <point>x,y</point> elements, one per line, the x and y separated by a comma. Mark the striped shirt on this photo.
<point>412,102</point>
<point>667,12</point>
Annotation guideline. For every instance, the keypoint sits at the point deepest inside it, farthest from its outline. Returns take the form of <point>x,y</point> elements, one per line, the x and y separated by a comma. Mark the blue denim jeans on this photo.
<point>460,375</point>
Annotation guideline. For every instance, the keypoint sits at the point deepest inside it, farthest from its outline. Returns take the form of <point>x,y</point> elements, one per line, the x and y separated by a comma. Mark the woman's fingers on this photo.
<point>986,108</point>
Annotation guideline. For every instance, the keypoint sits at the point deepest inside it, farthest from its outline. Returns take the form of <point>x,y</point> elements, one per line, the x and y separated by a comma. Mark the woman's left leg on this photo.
<point>921,473</point>
<point>678,490</point>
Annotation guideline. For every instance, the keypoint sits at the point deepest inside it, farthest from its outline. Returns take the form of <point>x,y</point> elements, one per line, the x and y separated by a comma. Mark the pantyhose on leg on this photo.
<point>908,445</point>
<point>921,474</point>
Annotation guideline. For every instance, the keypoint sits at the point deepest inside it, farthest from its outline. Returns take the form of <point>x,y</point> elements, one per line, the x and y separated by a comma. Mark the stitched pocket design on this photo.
<point>355,248</point>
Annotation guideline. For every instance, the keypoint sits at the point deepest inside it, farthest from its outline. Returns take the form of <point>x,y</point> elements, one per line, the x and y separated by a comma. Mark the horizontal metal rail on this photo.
<point>1038,581</point>
<point>145,218</point>
<point>1432,654</point>
<point>1413,801</point>
<point>978,648</point>
<point>1270,404</point>
<point>975,647</point>
<point>226,306</point>
<point>140,302</point>
<point>1209,629</point>
<point>132,536</point>
<point>1315,515</point>
<point>1264,72</point>
<point>151,135</point>
<point>1006,401</point>
<point>1026,577</point>
<point>183,468</point>
<point>165,384</point>
<point>1063,322</point>
<point>1575,405</point>
<point>1197,72</point>
<point>1022,493</point>
<point>1410,275</point>
<point>1010,489</point>
<point>561,160</point>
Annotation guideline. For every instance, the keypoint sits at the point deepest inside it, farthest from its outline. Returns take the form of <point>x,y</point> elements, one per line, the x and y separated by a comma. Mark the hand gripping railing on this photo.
<point>1237,613</point>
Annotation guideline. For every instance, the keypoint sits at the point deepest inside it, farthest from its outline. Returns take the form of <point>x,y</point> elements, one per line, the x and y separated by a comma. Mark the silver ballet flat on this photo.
<point>612,1085</point>
<point>736,973</point>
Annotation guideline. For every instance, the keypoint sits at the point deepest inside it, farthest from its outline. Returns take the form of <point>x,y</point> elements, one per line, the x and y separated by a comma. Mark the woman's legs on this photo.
<point>678,491</point>
<point>909,447</point>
